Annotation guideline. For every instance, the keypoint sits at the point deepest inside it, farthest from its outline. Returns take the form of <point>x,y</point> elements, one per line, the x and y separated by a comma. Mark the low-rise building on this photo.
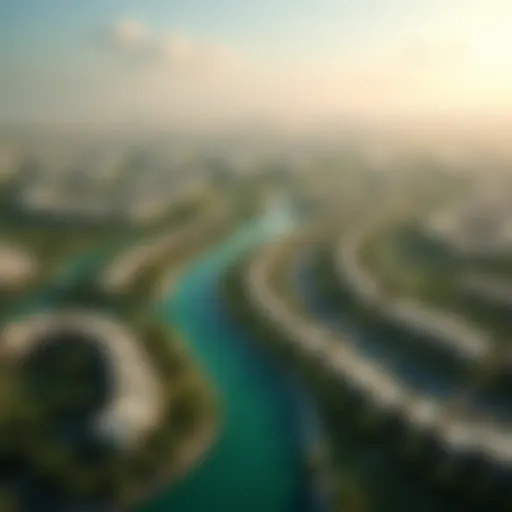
<point>136,405</point>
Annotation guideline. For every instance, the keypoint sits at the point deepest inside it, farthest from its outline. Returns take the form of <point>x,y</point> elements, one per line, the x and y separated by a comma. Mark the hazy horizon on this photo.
<point>295,65</point>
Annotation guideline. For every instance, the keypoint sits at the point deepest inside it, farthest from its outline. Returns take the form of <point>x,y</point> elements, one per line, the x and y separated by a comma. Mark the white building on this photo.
<point>17,267</point>
<point>137,405</point>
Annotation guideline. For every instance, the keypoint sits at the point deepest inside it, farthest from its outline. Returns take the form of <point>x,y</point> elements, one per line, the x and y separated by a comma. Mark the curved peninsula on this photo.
<point>426,312</point>
<point>105,410</point>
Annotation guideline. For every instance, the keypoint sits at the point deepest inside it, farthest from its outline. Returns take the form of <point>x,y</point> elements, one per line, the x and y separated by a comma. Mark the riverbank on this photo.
<point>363,411</point>
<point>165,271</point>
<point>193,449</point>
<point>253,460</point>
<point>317,446</point>
<point>256,463</point>
<point>192,454</point>
<point>134,454</point>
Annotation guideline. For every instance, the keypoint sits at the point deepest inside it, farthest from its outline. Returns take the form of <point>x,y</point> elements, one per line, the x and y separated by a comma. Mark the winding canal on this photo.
<point>257,464</point>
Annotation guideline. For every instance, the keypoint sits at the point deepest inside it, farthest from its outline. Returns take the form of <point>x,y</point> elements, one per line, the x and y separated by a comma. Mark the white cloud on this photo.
<point>130,33</point>
<point>182,53</point>
<point>180,49</point>
<point>427,65</point>
<point>170,51</point>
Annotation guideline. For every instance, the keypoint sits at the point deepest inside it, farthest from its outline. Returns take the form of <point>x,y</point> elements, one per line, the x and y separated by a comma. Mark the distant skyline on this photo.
<point>218,63</point>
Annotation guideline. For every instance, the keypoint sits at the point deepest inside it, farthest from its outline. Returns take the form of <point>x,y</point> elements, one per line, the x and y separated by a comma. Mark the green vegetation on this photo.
<point>408,264</point>
<point>54,243</point>
<point>365,460</point>
<point>151,277</point>
<point>51,399</point>
<point>404,262</point>
<point>319,383</point>
<point>63,384</point>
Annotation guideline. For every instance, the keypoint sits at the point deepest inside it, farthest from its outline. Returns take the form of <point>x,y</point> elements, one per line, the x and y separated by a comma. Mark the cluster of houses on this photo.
<point>18,268</point>
<point>102,187</point>
<point>444,330</point>
<point>479,226</point>
<point>458,432</point>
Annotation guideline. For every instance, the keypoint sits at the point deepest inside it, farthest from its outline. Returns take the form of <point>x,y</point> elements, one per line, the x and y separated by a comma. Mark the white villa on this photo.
<point>17,267</point>
<point>137,406</point>
<point>479,226</point>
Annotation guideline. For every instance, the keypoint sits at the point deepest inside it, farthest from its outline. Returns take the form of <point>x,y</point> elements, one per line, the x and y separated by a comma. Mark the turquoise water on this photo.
<point>257,463</point>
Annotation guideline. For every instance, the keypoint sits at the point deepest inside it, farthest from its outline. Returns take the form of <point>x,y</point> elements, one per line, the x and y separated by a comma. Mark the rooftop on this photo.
<point>137,403</point>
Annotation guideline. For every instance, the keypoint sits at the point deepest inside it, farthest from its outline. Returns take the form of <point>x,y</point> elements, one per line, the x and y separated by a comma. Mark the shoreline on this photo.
<point>311,488</point>
<point>205,440</point>
<point>310,430</point>
<point>195,449</point>
<point>192,456</point>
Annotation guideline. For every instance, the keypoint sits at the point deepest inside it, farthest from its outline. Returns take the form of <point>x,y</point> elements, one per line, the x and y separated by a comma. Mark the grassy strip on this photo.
<point>410,265</point>
<point>374,318</point>
<point>439,290</point>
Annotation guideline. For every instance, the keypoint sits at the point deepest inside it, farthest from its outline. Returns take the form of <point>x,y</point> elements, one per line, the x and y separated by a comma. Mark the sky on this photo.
<point>219,62</point>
